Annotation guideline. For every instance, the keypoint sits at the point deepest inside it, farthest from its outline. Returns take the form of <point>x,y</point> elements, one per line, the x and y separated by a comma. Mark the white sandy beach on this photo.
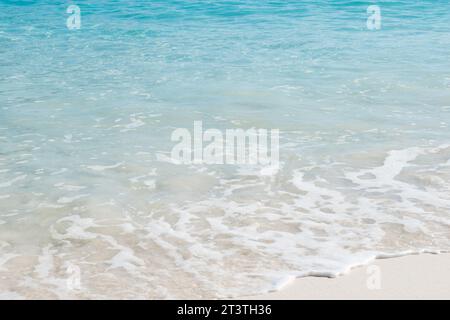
<point>425,276</point>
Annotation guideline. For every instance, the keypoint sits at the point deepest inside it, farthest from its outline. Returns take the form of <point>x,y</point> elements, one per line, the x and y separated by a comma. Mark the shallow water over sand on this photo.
<point>86,188</point>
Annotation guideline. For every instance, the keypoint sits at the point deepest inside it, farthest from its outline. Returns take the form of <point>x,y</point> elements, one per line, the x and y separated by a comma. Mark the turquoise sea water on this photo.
<point>86,118</point>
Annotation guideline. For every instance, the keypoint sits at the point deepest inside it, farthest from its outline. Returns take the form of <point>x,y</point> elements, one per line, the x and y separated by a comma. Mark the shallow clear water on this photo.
<point>85,123</point>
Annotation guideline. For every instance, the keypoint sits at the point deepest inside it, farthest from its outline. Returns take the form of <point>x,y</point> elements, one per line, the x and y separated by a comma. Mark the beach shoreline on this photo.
<point>418,276</point>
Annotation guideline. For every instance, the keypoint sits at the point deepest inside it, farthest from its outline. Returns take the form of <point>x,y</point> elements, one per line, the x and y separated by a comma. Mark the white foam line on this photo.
<point>285,280</point>
<point>102,168</point>
<point>65,200</point>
